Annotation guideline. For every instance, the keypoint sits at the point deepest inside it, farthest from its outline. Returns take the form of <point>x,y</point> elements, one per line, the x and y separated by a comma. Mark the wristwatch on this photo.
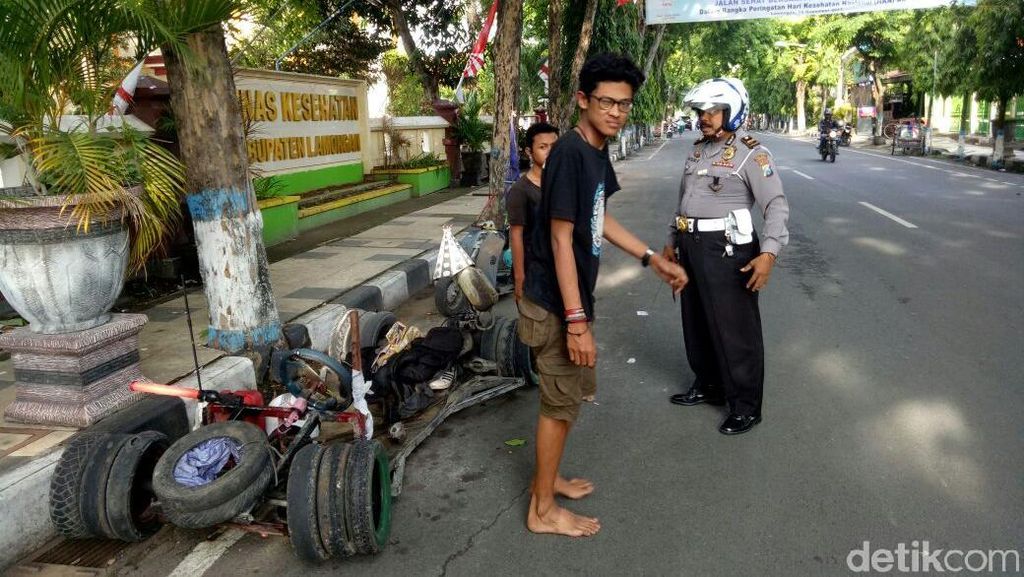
<point>646,259</point>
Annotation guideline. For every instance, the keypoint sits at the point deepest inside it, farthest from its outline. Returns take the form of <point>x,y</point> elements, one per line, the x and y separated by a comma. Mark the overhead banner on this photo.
<point>670,11</point>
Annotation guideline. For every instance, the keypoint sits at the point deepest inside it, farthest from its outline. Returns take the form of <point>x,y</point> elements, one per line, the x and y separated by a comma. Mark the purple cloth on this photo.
<point>204,462</point>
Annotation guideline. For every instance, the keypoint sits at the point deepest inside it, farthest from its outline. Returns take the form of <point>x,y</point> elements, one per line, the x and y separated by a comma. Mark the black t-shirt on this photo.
<point>523,198</point>
<point>576,184</point>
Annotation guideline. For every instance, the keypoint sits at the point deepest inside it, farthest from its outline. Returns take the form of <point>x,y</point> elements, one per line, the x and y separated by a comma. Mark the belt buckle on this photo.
<point>681,223</point>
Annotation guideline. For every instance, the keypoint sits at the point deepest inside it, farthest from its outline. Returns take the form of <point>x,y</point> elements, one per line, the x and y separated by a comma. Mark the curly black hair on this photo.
<point>609,67</point>
<point>535,129</point>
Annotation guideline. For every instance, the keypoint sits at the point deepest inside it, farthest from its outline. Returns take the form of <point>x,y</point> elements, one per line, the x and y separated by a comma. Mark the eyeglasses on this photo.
<point>605,103</point>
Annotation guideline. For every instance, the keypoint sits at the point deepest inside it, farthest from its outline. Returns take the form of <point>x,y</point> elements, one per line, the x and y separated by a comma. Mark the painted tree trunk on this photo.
<point>801,113</point>
<point>228,226</point>
<point>508,45</point>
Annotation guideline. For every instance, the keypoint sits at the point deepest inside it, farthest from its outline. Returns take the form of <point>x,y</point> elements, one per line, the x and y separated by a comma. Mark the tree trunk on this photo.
<point>507,47</point>
<point>878,92</point>
<point>801,114</point>
<point>965,113</point>
<point>401,25</point>
<point>556,9</point>
<point>652,52</point>
<point>228,225</point>
<point>567,104</point>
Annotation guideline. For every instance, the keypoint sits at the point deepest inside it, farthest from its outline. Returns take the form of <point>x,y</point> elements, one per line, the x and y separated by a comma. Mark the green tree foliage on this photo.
<point>406,96</point>
<point>352,43</point>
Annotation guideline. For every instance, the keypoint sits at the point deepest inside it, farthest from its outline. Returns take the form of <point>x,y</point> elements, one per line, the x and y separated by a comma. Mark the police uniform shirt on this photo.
<point>733,173</point>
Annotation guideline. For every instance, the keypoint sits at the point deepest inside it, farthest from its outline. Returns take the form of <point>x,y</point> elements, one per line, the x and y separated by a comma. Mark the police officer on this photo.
<point>726,173</point>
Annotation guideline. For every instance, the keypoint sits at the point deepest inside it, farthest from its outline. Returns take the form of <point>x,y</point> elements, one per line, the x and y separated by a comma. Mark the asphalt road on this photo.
<point>892,409</point>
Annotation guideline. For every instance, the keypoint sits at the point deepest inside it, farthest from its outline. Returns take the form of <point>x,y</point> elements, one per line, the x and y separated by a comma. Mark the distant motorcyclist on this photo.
<point>827,124</point>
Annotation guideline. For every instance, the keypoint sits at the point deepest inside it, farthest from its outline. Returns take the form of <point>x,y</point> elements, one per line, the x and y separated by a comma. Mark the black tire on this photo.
<point>331,499</point>
<point>373,332</point>
<point>522,357</point>
<point>505,348</point>
<point>234,492</point>
<point>129,490</point>
<point>490,339</point>
<point>368,496</point>
<point>66,486</point>
<point>832,156</point>
<point>303,521</point>
<point>448,297</point>
<point>93,496</point>
<point>824,155</point>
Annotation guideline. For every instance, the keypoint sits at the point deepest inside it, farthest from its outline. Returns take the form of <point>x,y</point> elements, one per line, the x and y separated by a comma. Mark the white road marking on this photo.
<point>923,162</point>
<point>808,177</point>
<point>888,214</point>
<point>657,151</point>
<point>206,554</point>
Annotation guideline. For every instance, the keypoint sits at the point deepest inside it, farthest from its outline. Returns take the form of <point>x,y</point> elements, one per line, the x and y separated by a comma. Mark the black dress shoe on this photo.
<point>738,424</point>
<point>696,396</point>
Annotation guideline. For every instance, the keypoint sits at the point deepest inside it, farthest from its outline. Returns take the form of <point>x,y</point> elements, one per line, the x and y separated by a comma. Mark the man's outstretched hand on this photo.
<point>670,272</point>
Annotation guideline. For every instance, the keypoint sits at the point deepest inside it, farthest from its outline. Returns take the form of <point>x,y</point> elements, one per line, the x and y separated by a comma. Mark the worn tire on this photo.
<point>448,297</point>
<point>66,486</point>
<point>522,357</point>
<point>504,348</point>
<point>129,492</point>
<point>225,497</point>
<point>373,332</point>
<point>332,502</point>
<point>303,521</point>
<point>93,497</point>
<point>368,496</point>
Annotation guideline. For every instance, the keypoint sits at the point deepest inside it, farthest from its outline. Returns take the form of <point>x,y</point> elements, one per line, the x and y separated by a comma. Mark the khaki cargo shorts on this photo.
<point>562,383</point>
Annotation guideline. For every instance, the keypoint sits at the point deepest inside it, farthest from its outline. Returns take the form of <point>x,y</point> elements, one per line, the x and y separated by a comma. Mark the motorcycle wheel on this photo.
<point>824,155</point>
<point>832,156</point>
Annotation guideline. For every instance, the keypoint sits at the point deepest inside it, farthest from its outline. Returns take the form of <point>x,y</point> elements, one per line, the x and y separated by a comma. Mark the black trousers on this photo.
<point>721,320</point>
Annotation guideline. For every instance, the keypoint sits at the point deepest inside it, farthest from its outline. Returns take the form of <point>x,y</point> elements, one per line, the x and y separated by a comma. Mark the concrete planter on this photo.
<point>280,219</point>
<point>424,181</point>
<point>59,278</point>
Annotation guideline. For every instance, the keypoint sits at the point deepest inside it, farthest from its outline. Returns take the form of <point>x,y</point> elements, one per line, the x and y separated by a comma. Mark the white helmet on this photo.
<point>728,93</point>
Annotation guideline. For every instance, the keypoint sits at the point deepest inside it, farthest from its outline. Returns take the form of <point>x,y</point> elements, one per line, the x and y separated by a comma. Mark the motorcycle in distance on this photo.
<point>829,146</point>
<point>845,133</point>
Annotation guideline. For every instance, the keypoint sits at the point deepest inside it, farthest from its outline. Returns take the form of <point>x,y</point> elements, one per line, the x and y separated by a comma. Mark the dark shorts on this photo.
<point>562,383</point>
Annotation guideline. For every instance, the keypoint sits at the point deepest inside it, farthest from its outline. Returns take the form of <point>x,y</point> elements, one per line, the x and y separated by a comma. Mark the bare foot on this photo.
<point>559,521</point>
<point>573,488</point>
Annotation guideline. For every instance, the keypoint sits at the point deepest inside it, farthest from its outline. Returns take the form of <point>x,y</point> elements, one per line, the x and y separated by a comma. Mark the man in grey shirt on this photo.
<point>726,173</point>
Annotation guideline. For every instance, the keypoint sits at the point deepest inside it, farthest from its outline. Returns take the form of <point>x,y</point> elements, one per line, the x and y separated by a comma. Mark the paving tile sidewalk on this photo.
<point>302,282</point>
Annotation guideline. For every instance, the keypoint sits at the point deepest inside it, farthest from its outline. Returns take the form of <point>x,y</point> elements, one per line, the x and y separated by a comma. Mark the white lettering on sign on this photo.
<point>669,11</point>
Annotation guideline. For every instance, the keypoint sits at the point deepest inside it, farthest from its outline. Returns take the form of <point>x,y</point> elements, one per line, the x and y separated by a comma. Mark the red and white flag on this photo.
<point>125,93</point>
<point>545,70</point>
<point>476,57</point>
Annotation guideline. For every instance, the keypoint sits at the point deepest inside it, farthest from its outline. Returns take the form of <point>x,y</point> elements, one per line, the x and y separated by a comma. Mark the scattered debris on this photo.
<point>515,442</point>
<point>630,361</point>
<point>641,313</point>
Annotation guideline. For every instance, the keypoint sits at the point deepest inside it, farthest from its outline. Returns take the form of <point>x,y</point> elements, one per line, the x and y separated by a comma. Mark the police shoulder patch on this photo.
<point>750,142</point>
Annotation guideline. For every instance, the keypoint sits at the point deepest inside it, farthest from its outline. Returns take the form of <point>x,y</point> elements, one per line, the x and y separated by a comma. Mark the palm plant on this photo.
<point>60,64</point>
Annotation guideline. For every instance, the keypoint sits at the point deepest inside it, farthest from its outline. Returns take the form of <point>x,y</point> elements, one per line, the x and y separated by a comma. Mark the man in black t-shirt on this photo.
<point>557,308</point>
<point>524,196</point>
